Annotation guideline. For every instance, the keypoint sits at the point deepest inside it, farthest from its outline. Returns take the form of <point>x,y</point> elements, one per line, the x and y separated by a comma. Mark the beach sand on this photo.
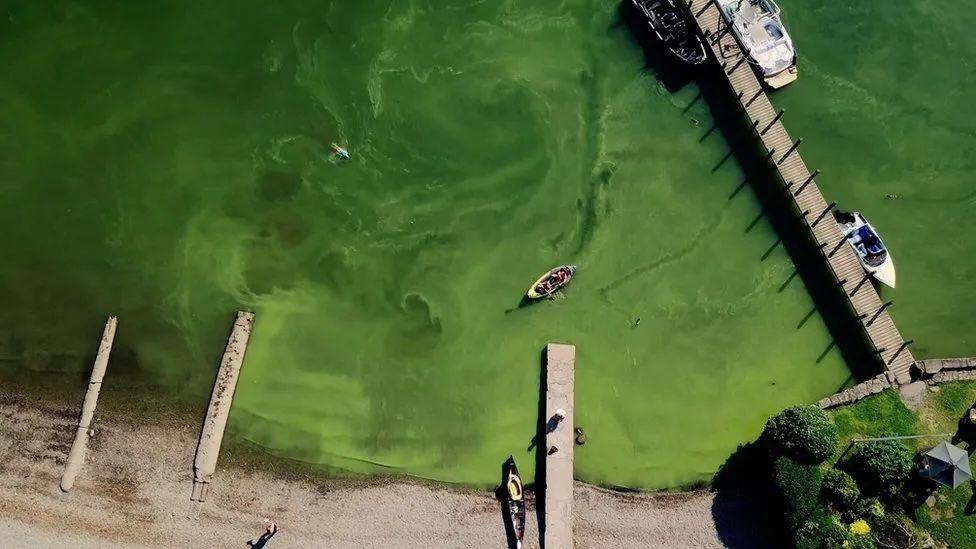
<point>135,487</point>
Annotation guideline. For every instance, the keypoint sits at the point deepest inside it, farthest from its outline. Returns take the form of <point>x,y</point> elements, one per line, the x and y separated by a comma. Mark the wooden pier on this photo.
<point>799,184</point>
<point>560,363</point>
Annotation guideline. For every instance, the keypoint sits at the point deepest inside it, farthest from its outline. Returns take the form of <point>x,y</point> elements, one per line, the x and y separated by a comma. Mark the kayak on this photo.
<point>552,281</point>
<point>515,499</point>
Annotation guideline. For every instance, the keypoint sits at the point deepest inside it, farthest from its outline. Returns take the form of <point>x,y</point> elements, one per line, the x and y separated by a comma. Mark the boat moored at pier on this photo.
<point>759,29</point>
<point>870,249</point>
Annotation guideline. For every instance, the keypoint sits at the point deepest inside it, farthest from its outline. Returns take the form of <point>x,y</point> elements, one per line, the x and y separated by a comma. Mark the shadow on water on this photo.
<point>746,149</point>
<point>673,74</point>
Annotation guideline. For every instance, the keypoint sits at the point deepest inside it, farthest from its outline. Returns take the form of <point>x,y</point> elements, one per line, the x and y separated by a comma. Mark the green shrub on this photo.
<point>798,488</point>
<point>881,467</point>
<point>821,530</point>
<point>805,434</point>
<point>839,491</point>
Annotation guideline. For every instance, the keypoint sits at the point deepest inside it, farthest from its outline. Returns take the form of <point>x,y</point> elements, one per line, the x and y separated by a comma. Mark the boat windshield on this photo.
<point>751,11</point>
<point>872,244</point>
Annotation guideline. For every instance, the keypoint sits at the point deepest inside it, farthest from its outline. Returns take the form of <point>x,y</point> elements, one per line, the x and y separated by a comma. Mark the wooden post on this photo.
<point>789,152</point>
<point>843,239</point>
<point>76,456</point>
<point>904,345</point>
<point>775,120</point>
<point>212,433</point>
<point>807,182</point>
<point>880,310</point>
<point>754,97</point>
<point>823,213</point>
<point>736,66</point>
<point>770,154</point>
<point>859,284</point>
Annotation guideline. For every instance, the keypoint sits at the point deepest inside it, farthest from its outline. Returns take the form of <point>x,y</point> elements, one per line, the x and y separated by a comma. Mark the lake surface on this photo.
<point>173,164</point>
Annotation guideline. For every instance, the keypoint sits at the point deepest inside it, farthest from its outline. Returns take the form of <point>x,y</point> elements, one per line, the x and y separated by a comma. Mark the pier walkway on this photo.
<point>799,184</point>
<point>560,363</point>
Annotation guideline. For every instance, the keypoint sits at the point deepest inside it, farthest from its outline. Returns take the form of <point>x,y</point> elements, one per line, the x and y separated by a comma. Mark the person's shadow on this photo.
<point>261,541</point>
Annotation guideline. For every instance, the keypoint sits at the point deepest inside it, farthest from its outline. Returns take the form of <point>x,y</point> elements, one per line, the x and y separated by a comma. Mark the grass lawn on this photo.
<point>884,414</point>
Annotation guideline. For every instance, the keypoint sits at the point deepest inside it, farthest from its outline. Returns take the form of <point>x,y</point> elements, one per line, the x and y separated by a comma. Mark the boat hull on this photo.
<point>671,24</point>
<point>884,271</point>
<point>533,292</point>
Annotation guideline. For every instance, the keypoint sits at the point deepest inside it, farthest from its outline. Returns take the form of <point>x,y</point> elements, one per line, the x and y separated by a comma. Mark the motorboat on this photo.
<point>672,25</point>
<point>553,280</point>
<point>760,31</point>
<point>514,497</point>
<point>868,246</point>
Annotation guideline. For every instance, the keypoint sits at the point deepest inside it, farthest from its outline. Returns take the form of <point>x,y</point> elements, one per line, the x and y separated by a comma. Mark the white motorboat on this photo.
<point>757,25</point>
<point>870,249</point>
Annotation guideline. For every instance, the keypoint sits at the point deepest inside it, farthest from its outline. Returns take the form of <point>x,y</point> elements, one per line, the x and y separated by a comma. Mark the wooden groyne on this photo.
<point>76,456</point>
<point>801,189</point>
<point>560,363</point>
<point>214,423</point>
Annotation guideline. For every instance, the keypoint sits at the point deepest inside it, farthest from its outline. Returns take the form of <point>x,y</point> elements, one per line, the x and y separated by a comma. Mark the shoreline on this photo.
<point>135,489</point>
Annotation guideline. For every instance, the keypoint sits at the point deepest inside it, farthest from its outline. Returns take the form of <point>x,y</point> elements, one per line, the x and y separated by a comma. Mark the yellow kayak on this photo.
<point>551,281</point>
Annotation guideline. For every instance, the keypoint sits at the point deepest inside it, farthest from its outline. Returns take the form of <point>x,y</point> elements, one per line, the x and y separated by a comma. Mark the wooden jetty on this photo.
<point>76,456</point>
<point>212,433</point>
<point>560,363</point>
<point>799,185</point>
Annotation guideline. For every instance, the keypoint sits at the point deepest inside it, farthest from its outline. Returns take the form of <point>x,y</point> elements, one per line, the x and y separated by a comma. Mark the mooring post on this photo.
<point>789,152</point>
<point>754,97</point>
<point>76,456</point>
<point>842,281</point>
<point>879,351</point>
<point>738,96</point>
<point>859,284</point>
<point>807,182</point>
<point>861,317</point>
<point>823,213</point>
<point>701,11</point>
<point>775,120</point>
<point>804,214</point>
<point>770,154</point>
<point>843,239</point>
<point>724,63</point>
<point>786,188</point>
<point>732,70</point>
<point>754,124</point>
<point>904,345</point>
<point>880,310</point>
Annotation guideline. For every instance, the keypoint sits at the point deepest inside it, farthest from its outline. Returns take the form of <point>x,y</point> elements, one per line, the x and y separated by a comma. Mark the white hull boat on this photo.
<point>763,36</point>
<point>869,247</point>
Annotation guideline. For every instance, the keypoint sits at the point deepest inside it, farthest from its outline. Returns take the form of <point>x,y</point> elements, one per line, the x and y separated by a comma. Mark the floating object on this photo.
<point>947,465</point>
<point>870,249</point>
<point>76,456</point>
<point>341,151</point>
<point>514,499</point>
<point>672,25</point>
<point>551,281</point>
<point>763,37</point>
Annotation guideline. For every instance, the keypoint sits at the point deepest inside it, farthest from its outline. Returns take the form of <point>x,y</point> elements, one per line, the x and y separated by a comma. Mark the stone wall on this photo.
<point>936,365</point>
<point>864,389</point>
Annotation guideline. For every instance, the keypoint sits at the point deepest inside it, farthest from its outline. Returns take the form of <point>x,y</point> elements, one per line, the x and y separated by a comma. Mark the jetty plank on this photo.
<point>560,365</point>
<point>76,456</point>
<point>212,433</point>
<point>883,334</point>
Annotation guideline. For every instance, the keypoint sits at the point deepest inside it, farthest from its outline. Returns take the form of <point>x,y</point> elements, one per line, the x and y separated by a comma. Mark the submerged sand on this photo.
<point>134,492</point>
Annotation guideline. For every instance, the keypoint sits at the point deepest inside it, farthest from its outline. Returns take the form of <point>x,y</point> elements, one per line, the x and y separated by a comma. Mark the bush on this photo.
<point>798,488</point>
<point>805,434</point>
<point>821,530</point>
<point>881,467</point>
<point>839,491</point>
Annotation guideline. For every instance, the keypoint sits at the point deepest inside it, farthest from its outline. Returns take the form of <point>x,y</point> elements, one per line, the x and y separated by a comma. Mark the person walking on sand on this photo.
<point>270,529</point>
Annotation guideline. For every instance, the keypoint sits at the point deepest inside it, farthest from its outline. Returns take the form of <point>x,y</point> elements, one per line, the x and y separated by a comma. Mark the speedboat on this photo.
<point>757,25</point>
<point>514,499</point>
<point>551,281</point>
<point>671,24</point>
<point>870,249</point>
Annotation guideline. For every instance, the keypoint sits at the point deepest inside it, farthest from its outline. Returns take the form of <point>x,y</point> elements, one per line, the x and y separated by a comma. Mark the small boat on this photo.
<point>757,25</point>
<point>671,24</point>
<point>342,152</point>
<point>870,249</point>
<point>514,499</point>
<point>551,281</point>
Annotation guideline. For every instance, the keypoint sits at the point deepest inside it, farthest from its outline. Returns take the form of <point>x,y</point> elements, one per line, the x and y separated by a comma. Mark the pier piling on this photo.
<point>214,423</point>
<point>76,456</point>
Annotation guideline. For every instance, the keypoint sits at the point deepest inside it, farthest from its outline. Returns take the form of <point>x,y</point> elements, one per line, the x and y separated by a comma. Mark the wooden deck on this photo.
<point>800,185</point>
<point>560,363</point>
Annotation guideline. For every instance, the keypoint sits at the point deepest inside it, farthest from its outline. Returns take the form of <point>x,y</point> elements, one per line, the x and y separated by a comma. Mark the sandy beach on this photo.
<point>134,491</point>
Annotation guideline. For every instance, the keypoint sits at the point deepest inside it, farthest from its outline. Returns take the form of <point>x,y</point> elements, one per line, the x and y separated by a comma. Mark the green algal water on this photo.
<point>172,164</point>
